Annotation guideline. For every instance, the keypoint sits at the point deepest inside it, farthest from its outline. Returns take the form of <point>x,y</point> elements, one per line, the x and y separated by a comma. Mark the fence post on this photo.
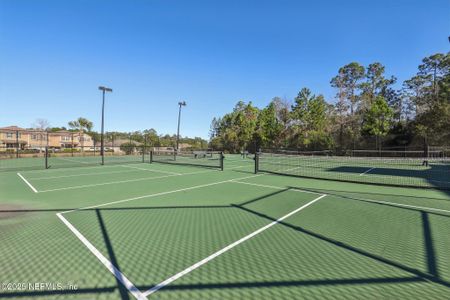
<point>256,162</point>
<point>17,143</point>
<point>222,157</point>
<point>46,157</point>
<point>151,156</point>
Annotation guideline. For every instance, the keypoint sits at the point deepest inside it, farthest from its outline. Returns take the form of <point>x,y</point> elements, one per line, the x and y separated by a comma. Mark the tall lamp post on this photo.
<point>102,145</point>
<point>180,104</point>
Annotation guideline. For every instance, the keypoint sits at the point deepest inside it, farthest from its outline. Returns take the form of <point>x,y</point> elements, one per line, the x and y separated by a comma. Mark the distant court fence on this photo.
<point>12,159</point>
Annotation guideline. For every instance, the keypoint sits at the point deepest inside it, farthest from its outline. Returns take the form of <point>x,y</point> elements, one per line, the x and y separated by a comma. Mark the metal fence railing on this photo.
<point>49,158</point>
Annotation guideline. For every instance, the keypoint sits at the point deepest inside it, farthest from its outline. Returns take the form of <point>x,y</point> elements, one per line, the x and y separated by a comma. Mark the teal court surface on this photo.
<point>175,231</point>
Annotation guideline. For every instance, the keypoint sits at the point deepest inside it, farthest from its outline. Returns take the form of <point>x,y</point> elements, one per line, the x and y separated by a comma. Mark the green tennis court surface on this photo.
<point>168,231</point>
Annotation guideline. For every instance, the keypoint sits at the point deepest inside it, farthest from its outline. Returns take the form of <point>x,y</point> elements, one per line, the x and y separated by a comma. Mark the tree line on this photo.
<point>367,112</point>
<point>149,137</point>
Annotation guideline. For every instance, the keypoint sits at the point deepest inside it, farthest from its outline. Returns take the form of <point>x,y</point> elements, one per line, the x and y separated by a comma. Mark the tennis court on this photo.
<point>185,229</point>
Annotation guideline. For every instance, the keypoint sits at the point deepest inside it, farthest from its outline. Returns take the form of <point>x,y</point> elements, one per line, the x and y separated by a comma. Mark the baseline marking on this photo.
<point>367,171</point>
<point>119,275</point>
<point>26,181</point>
<point>225,249</point>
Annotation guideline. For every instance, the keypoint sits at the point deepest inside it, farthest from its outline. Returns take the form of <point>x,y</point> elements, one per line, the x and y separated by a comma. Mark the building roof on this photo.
<point>63,131</point>
<point>12,128</point>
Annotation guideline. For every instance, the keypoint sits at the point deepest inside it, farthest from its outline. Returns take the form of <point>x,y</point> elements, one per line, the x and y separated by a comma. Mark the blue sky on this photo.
<point>54,55</point>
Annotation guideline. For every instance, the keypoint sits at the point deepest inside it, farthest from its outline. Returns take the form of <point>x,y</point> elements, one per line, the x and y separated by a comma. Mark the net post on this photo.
<point>143,154</point>
<point>151,156</point>
<point>256,162</point>
<point>46,157</point>
<point>175,155</point>
<point>222,157</point>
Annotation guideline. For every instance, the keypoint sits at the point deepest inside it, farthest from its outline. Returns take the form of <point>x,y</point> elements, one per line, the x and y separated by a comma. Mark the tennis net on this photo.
<point>399,154</point>
<point>200,158</point>
<point>91,156</point>
<point>391,171</point>
<point>45,157</point>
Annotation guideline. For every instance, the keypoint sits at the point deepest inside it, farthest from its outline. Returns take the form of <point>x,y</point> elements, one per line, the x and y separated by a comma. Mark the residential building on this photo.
<point>64,139</point>
<point>13,137</point>
<point>16,137</point>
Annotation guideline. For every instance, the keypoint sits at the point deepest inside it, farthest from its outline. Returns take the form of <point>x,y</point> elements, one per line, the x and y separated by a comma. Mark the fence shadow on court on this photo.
<point>432,273</point>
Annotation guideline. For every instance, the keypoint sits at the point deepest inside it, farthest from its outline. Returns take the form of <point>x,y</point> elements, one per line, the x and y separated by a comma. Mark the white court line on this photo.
<point>344,198</point>
<point>65,169</point>
<point>74,160</point>
<point>396,204</point>
<point>339,196</point>
<point>129,180</point>
<point>151,170</point>
<point>232,168</point>
<point>82,174</point>
<point>26,181</point>
<point>140,295</point>
<point>367,171</point>
<point>160,194</point>
<point>225,249</point>
<point>278,187</point>
<point>121,181</point>
<point>113,269</point>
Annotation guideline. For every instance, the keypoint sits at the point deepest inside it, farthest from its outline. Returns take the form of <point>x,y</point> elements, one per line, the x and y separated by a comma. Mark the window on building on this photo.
<point>12,135</point>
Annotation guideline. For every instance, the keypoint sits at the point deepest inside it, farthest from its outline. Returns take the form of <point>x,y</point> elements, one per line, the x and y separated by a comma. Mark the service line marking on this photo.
<point>278,187</point>
<point>225,249</point>
<point>75,161</point>
<point>29,184</point>
<point>121,181</point>
<point>113,269</point>
<point>161,194</point>
<point>82,174</point>
<point>50,170</point>
<point>143,295</point>
<point>294,189</point>
<point>151,170</point>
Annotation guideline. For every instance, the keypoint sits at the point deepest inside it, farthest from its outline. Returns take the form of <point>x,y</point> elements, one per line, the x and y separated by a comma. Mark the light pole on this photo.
<point>102,146</point>
<point>180,104</point>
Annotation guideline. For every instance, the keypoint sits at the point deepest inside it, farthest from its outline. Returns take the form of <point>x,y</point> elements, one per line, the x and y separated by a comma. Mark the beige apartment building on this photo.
<point>14,136</point>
